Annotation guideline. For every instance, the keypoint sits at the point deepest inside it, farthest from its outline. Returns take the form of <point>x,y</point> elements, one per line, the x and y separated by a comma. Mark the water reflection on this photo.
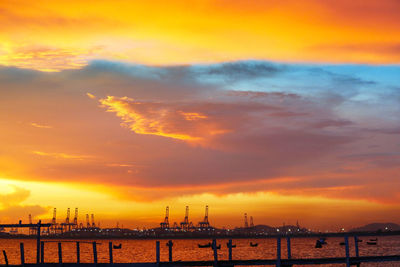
<point>187,249</point>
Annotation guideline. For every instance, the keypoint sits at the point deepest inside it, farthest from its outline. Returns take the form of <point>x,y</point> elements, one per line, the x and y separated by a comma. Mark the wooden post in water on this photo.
<point>214,247</point>
<point>346,240</point>
<point>59,253</point>
<point>78,253</point>
<point>5,257</point>
<point>21,249</point>
<point>94,252</point>
<point>278,251</point>
<point>38,242</point>
<point>289,250</point>
<point>110,250</point>
<point>158,252</point>
<point>356,248</point>
<point>41,252</point>
<point>230,249</point>
<point>169,245</point>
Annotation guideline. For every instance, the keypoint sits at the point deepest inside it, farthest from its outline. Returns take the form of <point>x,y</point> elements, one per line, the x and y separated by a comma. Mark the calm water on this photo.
<point>144,250</point>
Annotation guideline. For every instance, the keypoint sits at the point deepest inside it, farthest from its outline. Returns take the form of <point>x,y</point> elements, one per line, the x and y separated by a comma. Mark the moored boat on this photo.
<point>205,245</point>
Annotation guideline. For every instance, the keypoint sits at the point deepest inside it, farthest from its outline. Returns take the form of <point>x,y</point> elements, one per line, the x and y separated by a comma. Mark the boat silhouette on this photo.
<point>320,242</point>
<point>117,246</point>
<point>205,245</point>
<point>253,244</point>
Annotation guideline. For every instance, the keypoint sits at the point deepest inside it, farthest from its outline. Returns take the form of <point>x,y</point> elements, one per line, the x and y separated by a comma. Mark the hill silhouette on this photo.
<point>374,227</point>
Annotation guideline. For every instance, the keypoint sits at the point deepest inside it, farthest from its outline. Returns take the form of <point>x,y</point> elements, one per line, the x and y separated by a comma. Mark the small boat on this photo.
<point>373,239</point>
<point>117,246</point>
<point>205,245</point>
<point>320,242</point>
<point>342,243</point>
<point>359,240</point>
<point>373,243</point>
<point>253,244</point>
<point>233,246</point>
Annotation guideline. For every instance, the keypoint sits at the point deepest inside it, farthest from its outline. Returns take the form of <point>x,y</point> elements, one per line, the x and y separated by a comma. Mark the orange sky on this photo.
<point>54,35</point>
<point>121,108</point>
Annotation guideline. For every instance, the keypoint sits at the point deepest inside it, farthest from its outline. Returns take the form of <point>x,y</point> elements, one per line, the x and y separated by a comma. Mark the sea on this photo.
<point>188,250</point>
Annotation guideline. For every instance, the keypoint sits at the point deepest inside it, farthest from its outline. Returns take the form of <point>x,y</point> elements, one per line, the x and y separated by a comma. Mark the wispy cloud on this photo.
<point>60,155</point>
<point>43,126</point>
<point>162,119</point>
<point>48,59</point>
<point>119,165</point>
<point>91,96</point>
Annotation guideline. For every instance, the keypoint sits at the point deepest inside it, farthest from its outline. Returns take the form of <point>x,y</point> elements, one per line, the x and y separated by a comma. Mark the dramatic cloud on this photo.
<point>179,122</point>
<point>151,133</point>
<point>12,209</point>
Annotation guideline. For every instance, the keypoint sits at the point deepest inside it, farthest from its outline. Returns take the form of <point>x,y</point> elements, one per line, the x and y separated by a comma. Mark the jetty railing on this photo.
<point>278,261</point>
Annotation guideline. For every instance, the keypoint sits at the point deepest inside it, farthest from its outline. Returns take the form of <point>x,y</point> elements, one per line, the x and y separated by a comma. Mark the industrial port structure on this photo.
<point>185,225</point>
<point>72,227</point>
<point>186,229</point>
<point>58,228</point>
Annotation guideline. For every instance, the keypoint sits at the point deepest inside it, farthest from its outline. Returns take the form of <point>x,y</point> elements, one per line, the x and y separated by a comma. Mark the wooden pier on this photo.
<point>278,261</point>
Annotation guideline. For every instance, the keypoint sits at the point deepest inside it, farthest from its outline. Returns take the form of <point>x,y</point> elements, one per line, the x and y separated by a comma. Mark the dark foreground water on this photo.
<point>186,250</point>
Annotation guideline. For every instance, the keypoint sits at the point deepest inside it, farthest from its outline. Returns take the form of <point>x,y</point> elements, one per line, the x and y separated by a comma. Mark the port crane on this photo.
<point>165,223</point>
<point>205,223</point>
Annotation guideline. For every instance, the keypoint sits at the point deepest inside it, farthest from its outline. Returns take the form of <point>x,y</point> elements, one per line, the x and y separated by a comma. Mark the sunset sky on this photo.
<point>285,110</point>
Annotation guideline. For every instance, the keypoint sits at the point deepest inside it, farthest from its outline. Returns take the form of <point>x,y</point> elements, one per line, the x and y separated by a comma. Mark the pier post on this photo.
<point>356,248</point>
<point>5,257</point>
<point>158,252</point>
<point>38,242</point>
<point>214,247</point>
<point>289,250</point>
<point>94,252</point>
<point>41,252</point>
<point>170,244</point>
<point>278,252</point>
<point>21,249</point>
<point>59,253</point>
<point>110,250</point>
<point>346,240</point>
<point>230,249</point>
<point>78,253</point>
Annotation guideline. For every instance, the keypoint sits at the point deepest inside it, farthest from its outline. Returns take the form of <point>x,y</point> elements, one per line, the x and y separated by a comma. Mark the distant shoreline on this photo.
<point>95,237</point>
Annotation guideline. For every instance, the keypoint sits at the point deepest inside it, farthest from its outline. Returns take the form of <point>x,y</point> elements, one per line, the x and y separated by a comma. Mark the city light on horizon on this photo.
<point>286,111</point>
